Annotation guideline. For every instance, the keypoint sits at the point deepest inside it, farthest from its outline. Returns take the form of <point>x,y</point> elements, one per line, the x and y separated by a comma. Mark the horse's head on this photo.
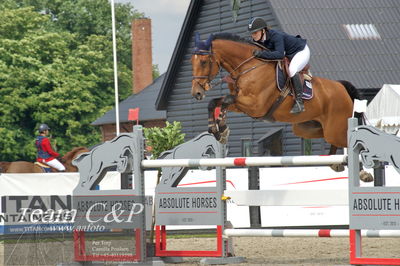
<point>205,67</point>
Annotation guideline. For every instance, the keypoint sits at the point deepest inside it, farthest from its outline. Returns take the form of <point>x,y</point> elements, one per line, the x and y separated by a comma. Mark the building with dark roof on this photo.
<point>148,115</point>
<point>145,90</point>
<point>354,40</point>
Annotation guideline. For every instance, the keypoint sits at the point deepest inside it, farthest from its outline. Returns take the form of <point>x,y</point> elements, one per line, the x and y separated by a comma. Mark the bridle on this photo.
<point>208,79</point>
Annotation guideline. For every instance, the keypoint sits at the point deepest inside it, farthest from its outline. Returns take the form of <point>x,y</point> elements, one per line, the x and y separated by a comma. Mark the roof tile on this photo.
<point>362,61</point>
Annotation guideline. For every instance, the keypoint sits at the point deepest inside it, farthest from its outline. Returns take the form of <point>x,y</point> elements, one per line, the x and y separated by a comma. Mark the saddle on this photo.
<point>282,76</point>
<point>45,168</point>
<point>284,85</point>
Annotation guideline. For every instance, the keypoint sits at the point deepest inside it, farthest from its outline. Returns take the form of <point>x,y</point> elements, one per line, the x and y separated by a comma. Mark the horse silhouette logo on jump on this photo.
<point>373,149</point>
<point>117,152</point>
<point>202,146</point>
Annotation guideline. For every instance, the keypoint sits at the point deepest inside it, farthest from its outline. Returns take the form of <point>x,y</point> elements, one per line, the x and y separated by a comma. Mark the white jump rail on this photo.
<point>307,233</point>
<point>311,160</point>
<point>299,197</point>
<point>270,197</point>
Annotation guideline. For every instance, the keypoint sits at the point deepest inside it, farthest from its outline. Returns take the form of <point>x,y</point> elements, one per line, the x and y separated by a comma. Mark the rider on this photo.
<point>45,153</point>
<point>279,45</point>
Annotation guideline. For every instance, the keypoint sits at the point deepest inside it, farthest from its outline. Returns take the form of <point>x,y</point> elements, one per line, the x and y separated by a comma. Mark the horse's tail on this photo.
<point>354,94</point>
<point>351,90</point>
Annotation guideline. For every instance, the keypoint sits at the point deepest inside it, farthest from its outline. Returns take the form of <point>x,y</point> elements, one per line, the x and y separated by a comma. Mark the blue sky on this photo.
<point>166,17</point>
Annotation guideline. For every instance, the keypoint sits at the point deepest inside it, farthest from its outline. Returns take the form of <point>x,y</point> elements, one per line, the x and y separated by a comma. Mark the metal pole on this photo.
<point>379,175</point>
<point>114,42</point>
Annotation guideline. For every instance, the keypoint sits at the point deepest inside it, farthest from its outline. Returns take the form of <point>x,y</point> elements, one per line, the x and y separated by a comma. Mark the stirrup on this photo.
<point>297,108</point>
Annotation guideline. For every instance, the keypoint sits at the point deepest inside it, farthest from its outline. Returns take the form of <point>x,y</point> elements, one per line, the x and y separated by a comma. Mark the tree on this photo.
<point>163,139</point>
<point>56,68</point>
<point>156,72</point>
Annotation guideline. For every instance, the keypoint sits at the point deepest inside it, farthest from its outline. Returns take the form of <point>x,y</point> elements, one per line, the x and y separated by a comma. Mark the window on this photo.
<point>246,147</point>
<point>271,143</point>
<point>361,32</point>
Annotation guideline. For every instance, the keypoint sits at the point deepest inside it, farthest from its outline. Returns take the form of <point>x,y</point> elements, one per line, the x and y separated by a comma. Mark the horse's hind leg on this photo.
<point>308,130</point>
<point>313,129</point>
<point>336,132</point>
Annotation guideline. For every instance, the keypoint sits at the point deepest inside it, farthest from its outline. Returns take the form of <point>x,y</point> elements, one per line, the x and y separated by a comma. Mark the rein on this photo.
<point>236,79</point>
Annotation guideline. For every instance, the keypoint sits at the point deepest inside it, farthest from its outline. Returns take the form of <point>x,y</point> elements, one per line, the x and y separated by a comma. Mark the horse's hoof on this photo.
<point>217,136</point>
<point>366,177</point>
<point>337,167</point>
<point>224,136</point>
<point>213,130</point>
<point>222,140</point>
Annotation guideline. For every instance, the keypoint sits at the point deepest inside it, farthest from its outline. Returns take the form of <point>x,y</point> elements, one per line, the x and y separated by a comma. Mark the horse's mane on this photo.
<point>235,38</point>
<point>206,45</point>
<point>229,36</point>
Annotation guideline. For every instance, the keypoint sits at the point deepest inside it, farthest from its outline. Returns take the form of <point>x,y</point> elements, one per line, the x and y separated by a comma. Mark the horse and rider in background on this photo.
<point>47,159</point>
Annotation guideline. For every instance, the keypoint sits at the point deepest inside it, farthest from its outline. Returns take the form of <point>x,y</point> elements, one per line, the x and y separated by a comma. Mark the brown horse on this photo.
<point>28,167</point>
<point>253,91</point>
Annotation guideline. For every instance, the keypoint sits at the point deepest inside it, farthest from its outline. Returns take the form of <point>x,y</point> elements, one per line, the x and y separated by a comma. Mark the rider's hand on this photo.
<point>257,53</point>
<point>61,159</point>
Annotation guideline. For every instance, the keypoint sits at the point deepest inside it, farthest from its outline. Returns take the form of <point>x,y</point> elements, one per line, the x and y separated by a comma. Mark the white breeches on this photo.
<point>56,164</point>
<point>299,61</point>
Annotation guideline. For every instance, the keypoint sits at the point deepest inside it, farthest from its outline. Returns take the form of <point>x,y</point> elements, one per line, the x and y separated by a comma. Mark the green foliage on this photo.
<point>163,139</point>
<point>156,72</point>
<point>56,67</point>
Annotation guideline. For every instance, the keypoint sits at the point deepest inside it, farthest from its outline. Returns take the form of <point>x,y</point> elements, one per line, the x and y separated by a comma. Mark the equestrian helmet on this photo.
<point>43,127</point>
<point>256,24</point>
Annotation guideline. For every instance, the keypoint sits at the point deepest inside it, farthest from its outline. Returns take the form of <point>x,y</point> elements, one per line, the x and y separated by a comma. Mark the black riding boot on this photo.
<point>298,106</point>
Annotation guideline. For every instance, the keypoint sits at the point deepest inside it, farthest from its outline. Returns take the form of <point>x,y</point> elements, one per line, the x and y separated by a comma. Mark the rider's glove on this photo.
<point>257,53</point>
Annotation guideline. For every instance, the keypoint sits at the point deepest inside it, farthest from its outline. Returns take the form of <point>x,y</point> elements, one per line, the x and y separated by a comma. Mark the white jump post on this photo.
<point>368,142</point>
<point>291,198</point>
<point>255,197</point>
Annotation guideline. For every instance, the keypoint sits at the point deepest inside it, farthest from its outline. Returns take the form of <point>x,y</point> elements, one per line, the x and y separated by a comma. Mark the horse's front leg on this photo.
<point>212,124</point>
<point>224,131</point>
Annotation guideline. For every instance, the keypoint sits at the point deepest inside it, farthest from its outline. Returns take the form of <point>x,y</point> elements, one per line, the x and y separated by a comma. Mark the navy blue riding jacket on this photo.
<point>42,153</point>
<point>281,44</point>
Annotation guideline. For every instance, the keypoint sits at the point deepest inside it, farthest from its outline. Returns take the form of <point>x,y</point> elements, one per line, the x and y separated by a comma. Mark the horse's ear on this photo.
<point>200,45</point>
<point>209,40</point>
<point>197,39</point>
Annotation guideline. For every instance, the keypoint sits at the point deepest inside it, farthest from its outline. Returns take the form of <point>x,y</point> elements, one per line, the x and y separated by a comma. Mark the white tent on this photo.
<point>383,111</point>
